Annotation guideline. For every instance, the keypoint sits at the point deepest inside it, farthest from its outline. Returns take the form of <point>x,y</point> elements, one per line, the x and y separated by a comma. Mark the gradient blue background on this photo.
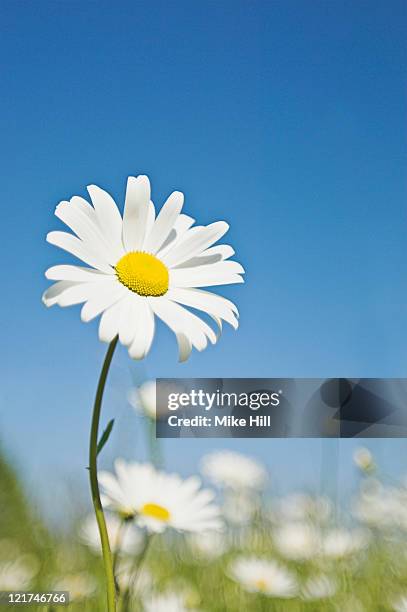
<point>287,119</point>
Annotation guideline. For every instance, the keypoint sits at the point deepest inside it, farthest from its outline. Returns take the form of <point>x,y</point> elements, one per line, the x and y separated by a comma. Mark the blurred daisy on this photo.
<point>339,543</point>
<point>258,575</point>
<point>363,459</point>
<point>17,575</point>
<point>400,605</point>
<point>208,544</point>
<point>297,541</point>
<point>302,507</point>
<point>122,536</point>
<point>79,586</point>
<point>158,500</point>
<point>380,506</point>
<point>143,399</point>
<point>239,507</point>
<point>170,602</point>
<point>142,266</point>
<point>230,469</point>
<point>319,587</point>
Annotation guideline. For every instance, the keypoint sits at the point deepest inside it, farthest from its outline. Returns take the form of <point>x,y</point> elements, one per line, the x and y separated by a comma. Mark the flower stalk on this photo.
<point>97,504</point>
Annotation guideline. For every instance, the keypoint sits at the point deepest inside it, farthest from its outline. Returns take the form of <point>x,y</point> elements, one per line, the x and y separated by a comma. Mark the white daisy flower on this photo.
<point>166,602</point>
<point>258,575</point>
<point>319,587</point>
<point>230,469</point>
<point>400,605</point>
<point>124,537</point>
<point>159,500</point>
<point>18,574</point>
<point>79,586</point>
<point>339,543</point>
<point>142,265</point>
<point>363,459</point>
<point>297,541</point>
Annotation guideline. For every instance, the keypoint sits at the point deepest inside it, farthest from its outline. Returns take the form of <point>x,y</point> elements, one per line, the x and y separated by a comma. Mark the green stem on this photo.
<point>94,485</point>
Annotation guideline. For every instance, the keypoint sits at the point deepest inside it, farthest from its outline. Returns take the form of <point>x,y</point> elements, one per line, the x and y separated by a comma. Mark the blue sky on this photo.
<point>286,118</point>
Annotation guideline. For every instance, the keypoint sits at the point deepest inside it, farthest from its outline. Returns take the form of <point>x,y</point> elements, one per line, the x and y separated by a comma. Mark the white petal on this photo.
<point>127,322</point>
<point>214,305</point>
<point>181,320</point>
<point>51,295</point>
<point>210,256</point>
<point>165,221</point>
<point>86,229</point>
<point>76,273</point>
<point>80,292</point>
<point>222,273</point>
<point>76,247</point>
<point>109,323</point>
<point>105,295</point>
<point>145,327</point>
<point>149,223</point>
<point>136,212</point>
<point>109,217</point>
<point>195,244</point>
<point>181,226</point>
<point>184,347</point>
<point>84,206</point>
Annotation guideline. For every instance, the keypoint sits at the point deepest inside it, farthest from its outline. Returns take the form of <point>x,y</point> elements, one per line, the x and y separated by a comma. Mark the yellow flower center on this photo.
<point>143,273</point>
<point>155,511</point>
<point>261,585</point>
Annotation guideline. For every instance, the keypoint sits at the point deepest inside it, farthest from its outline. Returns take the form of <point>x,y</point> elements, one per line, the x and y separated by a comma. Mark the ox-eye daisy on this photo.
<point>142,266</point>
<point>258,575</point>
<point>158,500</point>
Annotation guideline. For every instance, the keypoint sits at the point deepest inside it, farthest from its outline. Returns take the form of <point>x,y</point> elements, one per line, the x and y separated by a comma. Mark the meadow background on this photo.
<point>287,119</point>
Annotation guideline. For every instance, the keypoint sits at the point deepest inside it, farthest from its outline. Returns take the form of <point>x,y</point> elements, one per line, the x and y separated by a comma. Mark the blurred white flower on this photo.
<point>340,542</point>
<point>297,541</point>
<point>319,587</point>
<point>302,507</point>
<point>208,544</point>
<point>166,602</point>
<point>400,605</point>
<point>18,574</point>
<point>142,267</point>
<point>382,506</point>
<point>126,537</point>
<point>158,500</point>
<point>239,507</point>
<point>231,469</point>
<point>143,399</point>
<point>363,459</point>
<point>258,575</point>
<point>79,586</point>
